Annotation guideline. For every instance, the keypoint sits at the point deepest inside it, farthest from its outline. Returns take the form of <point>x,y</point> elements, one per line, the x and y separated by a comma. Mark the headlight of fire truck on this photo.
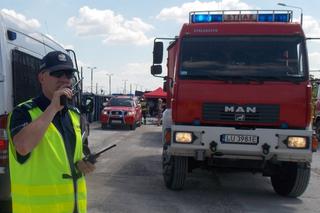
<point>297,142</point>
<point>183,137</point>
<point>105,112</point>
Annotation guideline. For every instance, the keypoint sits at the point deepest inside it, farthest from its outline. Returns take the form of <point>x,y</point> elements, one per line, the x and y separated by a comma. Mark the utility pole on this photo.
<point>130,89</point>
<point>109,75</point>
<point>125,87</point>
<point>92,68</point>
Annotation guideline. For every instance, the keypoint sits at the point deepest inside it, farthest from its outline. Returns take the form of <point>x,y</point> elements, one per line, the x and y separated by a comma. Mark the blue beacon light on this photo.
<point>207,18</point>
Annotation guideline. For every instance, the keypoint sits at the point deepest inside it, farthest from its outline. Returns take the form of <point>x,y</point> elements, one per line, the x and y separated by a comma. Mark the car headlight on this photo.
<point>130,113</point>
<point>183,137</point>
<point>105,112</point>
<point>297,142</point>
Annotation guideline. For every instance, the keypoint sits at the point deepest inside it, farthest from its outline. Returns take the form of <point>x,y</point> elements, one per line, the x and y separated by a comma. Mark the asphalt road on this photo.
<point>128,179</point>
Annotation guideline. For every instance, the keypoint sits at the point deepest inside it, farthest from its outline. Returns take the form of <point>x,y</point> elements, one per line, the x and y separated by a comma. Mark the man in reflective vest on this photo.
<point>45,151</point>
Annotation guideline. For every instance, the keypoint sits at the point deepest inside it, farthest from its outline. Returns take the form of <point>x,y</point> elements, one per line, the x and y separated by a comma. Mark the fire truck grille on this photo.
<point>240,113</point>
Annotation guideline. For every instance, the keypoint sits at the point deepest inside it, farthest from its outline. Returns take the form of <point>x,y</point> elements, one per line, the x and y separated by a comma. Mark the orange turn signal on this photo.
<point>314,143</point>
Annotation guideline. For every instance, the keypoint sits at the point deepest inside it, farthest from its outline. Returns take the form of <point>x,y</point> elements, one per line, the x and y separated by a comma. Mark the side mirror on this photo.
<point>156,69</point>
<point>157,52</point>
<point>87,105</point>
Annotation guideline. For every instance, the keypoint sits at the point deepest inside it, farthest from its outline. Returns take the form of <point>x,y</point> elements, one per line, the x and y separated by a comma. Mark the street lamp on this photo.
<point>301,11</point>
<point>109,75</point>
<point>92,68</point>
<point>125,87</point>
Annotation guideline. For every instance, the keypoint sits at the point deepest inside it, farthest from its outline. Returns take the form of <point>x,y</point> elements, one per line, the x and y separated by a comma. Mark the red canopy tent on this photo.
<point>157,93</point>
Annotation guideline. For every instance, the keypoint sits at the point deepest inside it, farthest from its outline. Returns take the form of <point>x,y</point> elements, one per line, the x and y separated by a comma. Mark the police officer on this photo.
<point>46,150</point>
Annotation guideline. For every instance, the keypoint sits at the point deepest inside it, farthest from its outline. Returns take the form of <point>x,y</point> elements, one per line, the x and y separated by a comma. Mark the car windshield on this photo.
<point>127,102</point>
<point>247,58</point>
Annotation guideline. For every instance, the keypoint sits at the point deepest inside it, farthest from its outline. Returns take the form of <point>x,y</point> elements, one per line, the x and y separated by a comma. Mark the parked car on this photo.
<point>121,111</point>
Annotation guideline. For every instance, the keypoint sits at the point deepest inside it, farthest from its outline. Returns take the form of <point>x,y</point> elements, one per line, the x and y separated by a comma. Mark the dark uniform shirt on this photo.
<point>62,121</point>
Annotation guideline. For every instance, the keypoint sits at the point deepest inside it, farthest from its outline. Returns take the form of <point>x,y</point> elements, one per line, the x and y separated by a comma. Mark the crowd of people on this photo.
<point>153,108</point>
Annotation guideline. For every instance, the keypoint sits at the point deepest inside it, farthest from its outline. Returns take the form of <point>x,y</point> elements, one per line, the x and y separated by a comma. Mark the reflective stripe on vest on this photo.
<point>37,185</point>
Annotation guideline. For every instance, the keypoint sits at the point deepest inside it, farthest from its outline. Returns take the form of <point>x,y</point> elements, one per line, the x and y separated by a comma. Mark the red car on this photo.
<point>121,111</point>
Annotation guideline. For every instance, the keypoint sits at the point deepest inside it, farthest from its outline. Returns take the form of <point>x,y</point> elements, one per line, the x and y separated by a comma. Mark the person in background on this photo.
<point>144,109</point>
<point>45,145</point>
<point>159,110</point>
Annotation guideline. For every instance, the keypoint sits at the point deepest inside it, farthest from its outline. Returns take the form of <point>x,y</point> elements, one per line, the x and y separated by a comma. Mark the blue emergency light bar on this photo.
<point>253,16</point>
<point>204,18</point>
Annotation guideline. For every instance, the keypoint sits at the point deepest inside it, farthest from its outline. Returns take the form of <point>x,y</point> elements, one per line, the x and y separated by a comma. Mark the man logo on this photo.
<point>239,117</point>
<point>240,109</point>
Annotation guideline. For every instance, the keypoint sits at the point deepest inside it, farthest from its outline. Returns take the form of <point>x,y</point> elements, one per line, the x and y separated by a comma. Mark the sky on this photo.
<point>116,37</point>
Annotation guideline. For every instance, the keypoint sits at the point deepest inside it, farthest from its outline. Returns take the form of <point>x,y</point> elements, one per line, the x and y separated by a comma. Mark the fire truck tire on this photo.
<point>292,179</point>
<point>175,172</point>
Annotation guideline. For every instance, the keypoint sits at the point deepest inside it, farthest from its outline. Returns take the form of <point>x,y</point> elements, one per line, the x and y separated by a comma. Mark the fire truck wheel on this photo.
<point>291,179</point>
<point>175,172</point>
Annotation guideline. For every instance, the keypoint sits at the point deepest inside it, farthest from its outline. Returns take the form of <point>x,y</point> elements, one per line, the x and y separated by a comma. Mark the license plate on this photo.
<point>116,121</point>
<point>242,139</point>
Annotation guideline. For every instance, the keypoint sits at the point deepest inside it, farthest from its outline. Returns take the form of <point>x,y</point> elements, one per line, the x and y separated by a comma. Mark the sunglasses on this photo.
<point>59,73</point>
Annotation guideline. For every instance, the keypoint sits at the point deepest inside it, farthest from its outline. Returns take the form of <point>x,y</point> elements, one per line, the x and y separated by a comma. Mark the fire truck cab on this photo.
<point>239,96</point>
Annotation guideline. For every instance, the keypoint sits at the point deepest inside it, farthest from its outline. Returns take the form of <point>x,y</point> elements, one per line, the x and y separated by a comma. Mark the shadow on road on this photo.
<point>151,139</point>
<point>140,184</point>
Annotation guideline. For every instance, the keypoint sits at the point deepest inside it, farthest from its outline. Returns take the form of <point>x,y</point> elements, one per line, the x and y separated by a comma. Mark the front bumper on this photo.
<point>117,120</point>
<point>270,145</point>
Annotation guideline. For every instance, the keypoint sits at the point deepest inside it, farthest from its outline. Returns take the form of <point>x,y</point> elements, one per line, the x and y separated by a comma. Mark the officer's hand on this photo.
<point>55,102</point>
<point>85,166</point>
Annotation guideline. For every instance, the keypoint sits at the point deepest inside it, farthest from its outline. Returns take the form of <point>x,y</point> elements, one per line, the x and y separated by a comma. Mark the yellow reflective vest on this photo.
<point>38,185</point>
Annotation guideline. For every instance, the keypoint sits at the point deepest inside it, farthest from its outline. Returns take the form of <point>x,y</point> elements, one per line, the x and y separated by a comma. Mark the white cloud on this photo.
<point>114,28</point>
<point>20,19</point>
<point>314,60</point>
<point>311,26</point>
<point>181,13</point>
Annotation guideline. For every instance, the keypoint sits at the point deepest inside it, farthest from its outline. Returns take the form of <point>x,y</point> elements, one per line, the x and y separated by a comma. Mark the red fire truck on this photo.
<point>239,96</point>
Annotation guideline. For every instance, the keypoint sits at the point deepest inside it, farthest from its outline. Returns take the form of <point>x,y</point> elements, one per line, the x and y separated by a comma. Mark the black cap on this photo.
<point>55,61</point>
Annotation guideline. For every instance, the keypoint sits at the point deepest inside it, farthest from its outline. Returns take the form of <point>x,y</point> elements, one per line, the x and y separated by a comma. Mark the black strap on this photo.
<point>67,176</point>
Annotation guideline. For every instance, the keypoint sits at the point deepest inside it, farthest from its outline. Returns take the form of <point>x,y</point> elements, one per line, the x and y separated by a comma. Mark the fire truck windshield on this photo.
<point>260,58</point>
